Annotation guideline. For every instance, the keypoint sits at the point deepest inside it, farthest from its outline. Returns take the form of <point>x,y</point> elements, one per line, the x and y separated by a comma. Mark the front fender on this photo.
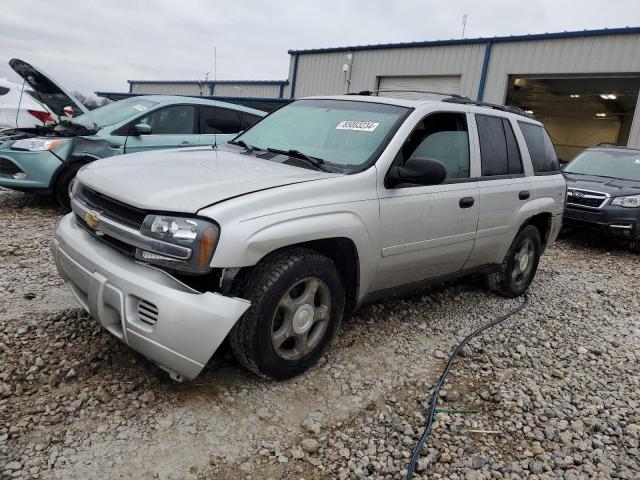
<point>249,241</point>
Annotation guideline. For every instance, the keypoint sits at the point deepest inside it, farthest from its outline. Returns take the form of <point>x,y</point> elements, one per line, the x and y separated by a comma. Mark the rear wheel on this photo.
<point>297,302</point>
<point>61,189</point>
<point>519,265</point>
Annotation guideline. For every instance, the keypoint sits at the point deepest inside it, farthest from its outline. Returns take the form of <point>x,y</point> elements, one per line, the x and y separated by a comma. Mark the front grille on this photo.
<point>147,312</point>
<point>585,198</point>
<point>119,245</point>
<point>7,167</point>
<point>111,208</point>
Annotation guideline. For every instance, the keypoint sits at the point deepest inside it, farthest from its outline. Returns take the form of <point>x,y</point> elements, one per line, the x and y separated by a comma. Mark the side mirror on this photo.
<point>141,129</point>
<point>419,171</point>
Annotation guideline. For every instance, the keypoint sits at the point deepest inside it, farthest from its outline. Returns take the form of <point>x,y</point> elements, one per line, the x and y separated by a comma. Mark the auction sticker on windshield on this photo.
<point>358,126</point>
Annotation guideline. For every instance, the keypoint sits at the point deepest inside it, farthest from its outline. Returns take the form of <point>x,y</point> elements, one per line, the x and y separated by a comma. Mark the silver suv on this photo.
<point>325,204</point>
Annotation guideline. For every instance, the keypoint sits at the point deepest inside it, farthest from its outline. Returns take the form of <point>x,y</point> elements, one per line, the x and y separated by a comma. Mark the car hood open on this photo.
<point>48,91</point>
<point>188,180</point>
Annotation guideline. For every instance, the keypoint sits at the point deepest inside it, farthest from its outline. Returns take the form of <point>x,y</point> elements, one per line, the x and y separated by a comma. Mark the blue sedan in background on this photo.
<point>45,159</point>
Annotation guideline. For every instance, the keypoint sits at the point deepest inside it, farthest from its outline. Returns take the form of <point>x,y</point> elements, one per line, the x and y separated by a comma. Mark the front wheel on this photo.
<point>519,266</point>
<point>297,302</point>
<point>61,189</point>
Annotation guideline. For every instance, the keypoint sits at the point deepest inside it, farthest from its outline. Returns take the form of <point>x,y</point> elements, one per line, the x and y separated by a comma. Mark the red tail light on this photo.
<point>44,117</point>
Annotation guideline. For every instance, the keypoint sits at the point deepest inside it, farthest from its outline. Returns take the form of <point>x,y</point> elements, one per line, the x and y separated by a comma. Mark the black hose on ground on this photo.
<point>436,393</point>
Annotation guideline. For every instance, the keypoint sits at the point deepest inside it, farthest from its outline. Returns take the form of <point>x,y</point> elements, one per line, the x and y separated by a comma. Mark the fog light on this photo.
<point>14,176</point>
<point>151,256</point>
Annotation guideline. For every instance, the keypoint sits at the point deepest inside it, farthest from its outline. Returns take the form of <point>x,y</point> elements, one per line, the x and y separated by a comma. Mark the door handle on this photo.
<point>524,195</point>
<point>467,202</point>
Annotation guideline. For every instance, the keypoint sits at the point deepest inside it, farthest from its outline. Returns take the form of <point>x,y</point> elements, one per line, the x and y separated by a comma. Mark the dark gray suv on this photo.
<point>604,191</point>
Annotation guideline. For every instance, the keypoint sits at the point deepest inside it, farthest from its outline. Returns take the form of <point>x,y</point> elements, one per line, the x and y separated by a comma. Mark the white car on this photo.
<point>32,114</point>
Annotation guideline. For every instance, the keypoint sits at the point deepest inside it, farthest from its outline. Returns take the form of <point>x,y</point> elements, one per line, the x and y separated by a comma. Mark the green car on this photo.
<point>45,159</point>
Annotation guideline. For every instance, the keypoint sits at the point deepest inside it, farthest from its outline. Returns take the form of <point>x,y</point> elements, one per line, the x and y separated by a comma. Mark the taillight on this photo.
<point>44,117</point>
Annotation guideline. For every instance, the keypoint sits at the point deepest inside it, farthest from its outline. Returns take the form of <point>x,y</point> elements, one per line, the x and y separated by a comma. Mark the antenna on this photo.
<point>464,23</point>
<point>215,109</point>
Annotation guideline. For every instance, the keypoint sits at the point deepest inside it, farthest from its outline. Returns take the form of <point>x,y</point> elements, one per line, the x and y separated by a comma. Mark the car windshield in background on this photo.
<point>342,133</point>
<point>624,165</point>
<point>115,112</point>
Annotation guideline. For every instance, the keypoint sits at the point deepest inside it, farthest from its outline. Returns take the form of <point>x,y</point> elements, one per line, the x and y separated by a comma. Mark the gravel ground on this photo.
<point>552,393</point>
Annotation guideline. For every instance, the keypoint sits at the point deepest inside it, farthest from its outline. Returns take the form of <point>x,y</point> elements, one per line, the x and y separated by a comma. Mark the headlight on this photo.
<point>631,201</point>
<point>200,236</point>
<point>37,144</point>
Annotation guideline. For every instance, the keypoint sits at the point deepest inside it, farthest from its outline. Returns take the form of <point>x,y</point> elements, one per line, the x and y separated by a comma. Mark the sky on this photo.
<point>96,45</point>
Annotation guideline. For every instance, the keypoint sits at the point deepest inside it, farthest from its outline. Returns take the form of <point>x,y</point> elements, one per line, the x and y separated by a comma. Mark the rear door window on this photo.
<point>541,149</point>
<point>219,121</point>
<point>499,150</point>
<point>513,151</point>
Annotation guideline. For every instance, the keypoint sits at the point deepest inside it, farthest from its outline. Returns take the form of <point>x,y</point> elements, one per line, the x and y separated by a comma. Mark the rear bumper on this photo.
<point>613,222</point>
<point>174,326</point>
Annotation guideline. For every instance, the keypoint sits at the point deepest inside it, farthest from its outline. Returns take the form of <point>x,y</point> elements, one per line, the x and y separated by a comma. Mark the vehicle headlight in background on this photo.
<point>37,144</point>
<point>630,201</point>
<point>200,236</point>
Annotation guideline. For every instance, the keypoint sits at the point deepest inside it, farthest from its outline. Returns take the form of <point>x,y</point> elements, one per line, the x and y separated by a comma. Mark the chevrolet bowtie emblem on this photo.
<point>92,219</point>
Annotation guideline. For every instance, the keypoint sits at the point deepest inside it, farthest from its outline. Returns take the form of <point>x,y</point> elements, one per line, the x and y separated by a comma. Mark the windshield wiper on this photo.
<point>241,143</point>
<point>315,162</point>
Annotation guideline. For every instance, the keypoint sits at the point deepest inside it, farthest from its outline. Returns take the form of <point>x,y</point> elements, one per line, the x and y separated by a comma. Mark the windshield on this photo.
<point>624,165</point>
<point>343,133</point>
<point>115,112</point>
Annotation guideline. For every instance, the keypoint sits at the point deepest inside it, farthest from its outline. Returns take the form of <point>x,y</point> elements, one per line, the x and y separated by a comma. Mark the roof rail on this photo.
<point>495,106</point>
<point>430,92</point>
<point>453,98</point>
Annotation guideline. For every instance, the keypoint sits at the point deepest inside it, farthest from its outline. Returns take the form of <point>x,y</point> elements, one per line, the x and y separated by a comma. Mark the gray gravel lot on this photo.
<point>553,393</point>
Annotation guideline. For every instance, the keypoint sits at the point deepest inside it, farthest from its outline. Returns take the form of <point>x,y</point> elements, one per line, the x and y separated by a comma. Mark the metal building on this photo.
<point>583,85</point>
<point>210,88</point>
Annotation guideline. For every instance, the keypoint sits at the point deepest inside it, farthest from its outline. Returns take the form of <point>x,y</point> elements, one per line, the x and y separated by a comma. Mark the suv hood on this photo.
<point>47,90</point>
<point>613,186</point>
<point>188,180</point>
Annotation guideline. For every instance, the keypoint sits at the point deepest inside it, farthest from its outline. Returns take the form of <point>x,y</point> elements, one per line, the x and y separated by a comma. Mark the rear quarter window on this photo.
<point>4,90</point>
<point>541,149</point>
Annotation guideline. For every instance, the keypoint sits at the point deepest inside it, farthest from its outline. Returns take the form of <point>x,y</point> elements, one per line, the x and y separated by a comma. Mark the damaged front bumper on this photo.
<point>171,324</point>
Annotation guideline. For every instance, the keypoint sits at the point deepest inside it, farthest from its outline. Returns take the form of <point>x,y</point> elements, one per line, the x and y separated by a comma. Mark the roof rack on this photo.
<point>495,106</point>
<point>430,92</point>
<point>453,98</point>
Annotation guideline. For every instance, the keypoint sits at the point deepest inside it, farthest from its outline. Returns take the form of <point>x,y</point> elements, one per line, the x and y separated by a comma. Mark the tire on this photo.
<point>289,324</point>
<point>61,189</point>
<point>514,277</point>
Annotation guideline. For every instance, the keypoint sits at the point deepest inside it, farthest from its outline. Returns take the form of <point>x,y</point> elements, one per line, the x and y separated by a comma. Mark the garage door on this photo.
<point>444,84</point>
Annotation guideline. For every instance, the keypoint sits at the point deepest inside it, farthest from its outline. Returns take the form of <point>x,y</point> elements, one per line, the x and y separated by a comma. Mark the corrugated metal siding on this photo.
<point>247,90</point>
<point>321,73</point>
<point>239,89</point>
<point>170,88</point>
<point>412,84</point>
<point>588,55</point>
